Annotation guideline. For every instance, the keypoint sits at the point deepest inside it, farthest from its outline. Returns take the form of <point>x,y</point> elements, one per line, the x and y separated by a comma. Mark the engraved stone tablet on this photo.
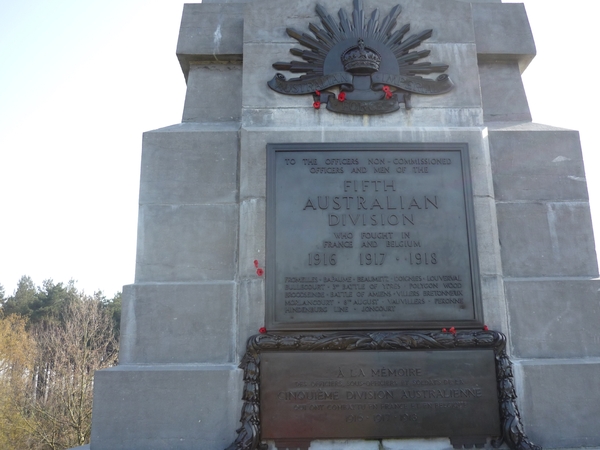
<point>373,395</point>
<point>370,236</point>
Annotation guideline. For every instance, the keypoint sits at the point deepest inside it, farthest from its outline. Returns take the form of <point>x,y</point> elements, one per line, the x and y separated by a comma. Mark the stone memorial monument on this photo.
<point>357,239</point>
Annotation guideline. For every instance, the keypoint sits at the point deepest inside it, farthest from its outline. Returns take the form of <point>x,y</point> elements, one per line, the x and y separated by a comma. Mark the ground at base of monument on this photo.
<point>395,446</point>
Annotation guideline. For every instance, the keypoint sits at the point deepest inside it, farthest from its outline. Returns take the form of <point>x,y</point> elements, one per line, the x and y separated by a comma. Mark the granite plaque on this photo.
<point>383,394</point>
<point>370,236</point>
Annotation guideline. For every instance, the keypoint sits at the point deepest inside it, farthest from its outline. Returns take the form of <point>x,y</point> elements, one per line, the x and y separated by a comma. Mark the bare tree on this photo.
<point>69,352</point>
<point>17,351</point>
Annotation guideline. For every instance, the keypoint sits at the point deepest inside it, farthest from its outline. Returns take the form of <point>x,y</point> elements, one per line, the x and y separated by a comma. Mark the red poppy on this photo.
<point>317,92</point>
<point>485,328</point>
<point>444,330</point>
<point>386,89</point>
<point>260,272</point>
<point>316,105</point>
<point>453,330</point>
<point>262,330</point>
<point>342,96</point>
<point>256,263</point>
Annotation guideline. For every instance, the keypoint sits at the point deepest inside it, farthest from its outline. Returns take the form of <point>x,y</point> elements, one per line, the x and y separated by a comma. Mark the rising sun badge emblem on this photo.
<point>371,68</point>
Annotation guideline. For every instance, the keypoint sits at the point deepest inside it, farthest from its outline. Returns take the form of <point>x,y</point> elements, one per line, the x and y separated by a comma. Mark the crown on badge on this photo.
<point>361,59</point>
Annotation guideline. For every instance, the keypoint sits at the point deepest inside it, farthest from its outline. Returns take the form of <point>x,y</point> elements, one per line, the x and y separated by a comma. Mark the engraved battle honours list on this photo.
<point>370,236</point>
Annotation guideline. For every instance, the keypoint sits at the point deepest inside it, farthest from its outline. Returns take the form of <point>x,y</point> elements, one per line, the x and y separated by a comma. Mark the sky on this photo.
<point>81,81</point>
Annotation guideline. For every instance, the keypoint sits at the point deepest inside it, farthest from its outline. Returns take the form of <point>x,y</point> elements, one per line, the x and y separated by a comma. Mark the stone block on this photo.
<point>554,318</point>
<point>416,444</point>
<point>546,239</point>
<point>494,303</point>
<point>307,116</point>
<point>343,445</point>
<point>187,243</point>
<point>210,32</point>
<point>537,165</point>
<point>166,407</point>
<point>559,402</point>
<point>252,236</point>
<point>189,165</point>
<point>251,311</point>
<point>502,32</point>
<point>487,236</point>
<point>451,22</point>
<point>178,323</point>
<point>214,93</point>
<point>502,92</point>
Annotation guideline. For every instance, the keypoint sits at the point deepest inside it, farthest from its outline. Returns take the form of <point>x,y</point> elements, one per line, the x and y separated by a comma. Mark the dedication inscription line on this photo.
<point>378,394</point>
<point>377,235</point>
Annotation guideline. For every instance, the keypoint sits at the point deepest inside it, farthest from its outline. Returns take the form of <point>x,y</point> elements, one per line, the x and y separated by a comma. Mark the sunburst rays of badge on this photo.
<point>351,28</point>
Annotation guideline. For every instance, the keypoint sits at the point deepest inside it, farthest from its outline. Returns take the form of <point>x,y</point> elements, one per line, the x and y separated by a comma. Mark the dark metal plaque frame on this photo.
<point>328,321</point>
<point>249,434</point>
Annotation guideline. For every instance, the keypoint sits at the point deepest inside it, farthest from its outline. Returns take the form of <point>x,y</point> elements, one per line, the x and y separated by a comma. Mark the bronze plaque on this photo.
<point>383,394</point>
<point>370,236</point>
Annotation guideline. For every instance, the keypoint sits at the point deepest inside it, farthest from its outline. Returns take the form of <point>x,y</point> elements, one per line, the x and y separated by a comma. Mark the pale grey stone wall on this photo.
<point>196,297</point>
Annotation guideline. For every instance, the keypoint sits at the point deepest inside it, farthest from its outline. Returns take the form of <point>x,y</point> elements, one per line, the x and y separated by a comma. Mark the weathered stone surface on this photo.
<point>554,318</point>
<point>486,226</point>
<point>189,164</point>
<point>178,323</point>
<point>546,239</point>
<point>306,115</point>
<point>450,21</point>
<point>559,401</point>
<point>494,304</point>
<point>210,32</point>
<point>186,243</point>
<point>537,165</point>
<point>416,444</point>
<point>252,236</point>
<point>251,311</point>
<point>166,407</point>
<point>222,102</point>
<point>343,445</point>
<point>502,92</point>
<point>502,32</point>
